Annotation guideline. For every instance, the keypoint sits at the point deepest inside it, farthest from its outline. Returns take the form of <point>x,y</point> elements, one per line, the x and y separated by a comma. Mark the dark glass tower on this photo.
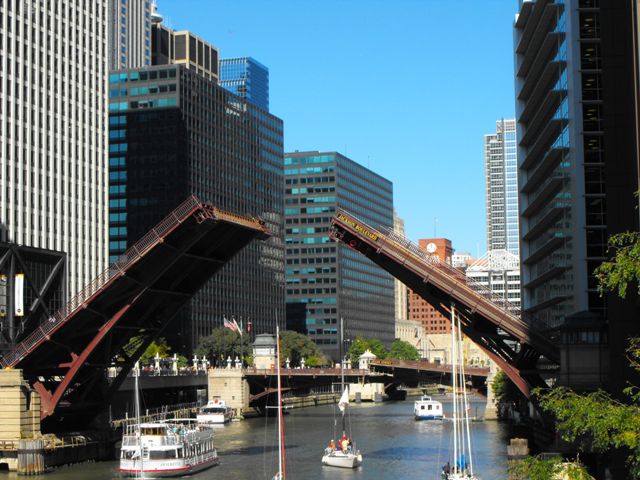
<point>174,132</point>
<point>327,280</point>
<point>247,78</point>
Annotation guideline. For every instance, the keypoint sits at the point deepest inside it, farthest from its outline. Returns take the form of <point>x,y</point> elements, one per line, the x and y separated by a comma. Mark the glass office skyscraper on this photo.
<point>247,78</point>
<point>175,132</point>
<point>325,280</point>
<point>501,179</point>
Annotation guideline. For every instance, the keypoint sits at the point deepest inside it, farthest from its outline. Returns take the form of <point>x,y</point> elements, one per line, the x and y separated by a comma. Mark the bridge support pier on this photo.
<point>491,411</point>
<point>231,386</point>
<point>19,415</point>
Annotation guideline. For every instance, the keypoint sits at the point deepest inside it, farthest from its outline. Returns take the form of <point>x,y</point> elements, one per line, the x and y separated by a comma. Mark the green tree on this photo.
<point>158,346</point>
<point>534,468</point>
<point>360,344</point>
<point>223,343</point>
<point>597,420</point>
<point>401,350</point>
<point>295,347</point>
<point>377,348</point>
<point>503,389</point>
<point>623,269</point>
<point>356,349</point>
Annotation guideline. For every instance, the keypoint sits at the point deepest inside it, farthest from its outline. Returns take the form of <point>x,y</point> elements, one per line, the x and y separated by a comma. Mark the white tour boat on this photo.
<point>427,409</point>
<point>215,411</point>
<point>161,450</point>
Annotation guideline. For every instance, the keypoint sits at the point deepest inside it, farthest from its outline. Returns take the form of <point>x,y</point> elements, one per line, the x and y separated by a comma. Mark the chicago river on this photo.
<point>394,446</point>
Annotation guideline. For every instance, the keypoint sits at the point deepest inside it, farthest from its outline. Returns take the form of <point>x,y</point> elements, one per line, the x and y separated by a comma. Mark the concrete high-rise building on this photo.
<point>174,132</point>
<point>326,280</point>
<point>53,112</point>
<point>419,309</point>
<point>247,78</point>
<point>182,47</point>
<point>577,84</point>
<point>400,289</point>
<point>461,260</point>
<point>561,158</point>
<point>130,33</point>
<point>498,273</point>
<point>501,181</point>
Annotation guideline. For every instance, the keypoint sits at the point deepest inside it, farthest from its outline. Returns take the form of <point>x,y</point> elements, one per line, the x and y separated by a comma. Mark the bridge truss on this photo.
<point>492,325</point>
<point>66,357</point>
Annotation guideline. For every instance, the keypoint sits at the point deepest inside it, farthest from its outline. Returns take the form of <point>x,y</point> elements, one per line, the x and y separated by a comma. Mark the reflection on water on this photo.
<point>394,446</point>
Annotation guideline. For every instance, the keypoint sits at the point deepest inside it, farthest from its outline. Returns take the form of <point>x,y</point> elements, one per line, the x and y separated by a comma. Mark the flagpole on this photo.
<point>241,349</point>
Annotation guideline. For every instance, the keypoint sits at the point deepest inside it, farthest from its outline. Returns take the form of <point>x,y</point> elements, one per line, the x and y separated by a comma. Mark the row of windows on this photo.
<point>151,103</point>
<point>310,291</point>
<point>145,90</point>
<point>122,77</point>
<point>309,160</point>
<point>307,180</point>
<point>306,271</point>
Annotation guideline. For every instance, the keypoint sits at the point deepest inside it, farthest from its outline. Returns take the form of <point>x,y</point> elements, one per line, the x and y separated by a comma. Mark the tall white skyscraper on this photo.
<point>501,178</point>
<point>53,168</point>
<point>130,33</point>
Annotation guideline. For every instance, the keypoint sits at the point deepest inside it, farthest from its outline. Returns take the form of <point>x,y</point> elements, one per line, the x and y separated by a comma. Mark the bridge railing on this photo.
<point>448,279</point>
<point>132,255</point>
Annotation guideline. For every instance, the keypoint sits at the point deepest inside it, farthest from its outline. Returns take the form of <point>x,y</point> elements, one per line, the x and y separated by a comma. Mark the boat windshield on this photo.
<point>213,410</point>
<point>153,431</point>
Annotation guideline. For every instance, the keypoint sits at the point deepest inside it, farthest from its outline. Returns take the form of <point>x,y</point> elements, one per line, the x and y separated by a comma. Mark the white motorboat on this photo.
<point>343,454</point>
<point>461,468</point>
<point>427,409</point>
<point>216,411</point>
<point>162,450</point>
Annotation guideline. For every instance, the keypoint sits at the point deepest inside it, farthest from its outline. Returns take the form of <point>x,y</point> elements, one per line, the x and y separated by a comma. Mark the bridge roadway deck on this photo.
<point>65,357</point>
<point>505,338</point>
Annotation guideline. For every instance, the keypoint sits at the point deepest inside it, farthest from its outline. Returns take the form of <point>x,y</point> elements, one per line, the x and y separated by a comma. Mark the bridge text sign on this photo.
<point>357,227</point>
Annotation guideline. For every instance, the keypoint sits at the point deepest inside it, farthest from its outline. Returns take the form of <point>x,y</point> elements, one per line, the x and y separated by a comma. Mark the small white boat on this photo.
<point>343,454</point>
<point>427,409</point>
<point>162,450</point>
<point>338,458</point>
<point>215,411</point>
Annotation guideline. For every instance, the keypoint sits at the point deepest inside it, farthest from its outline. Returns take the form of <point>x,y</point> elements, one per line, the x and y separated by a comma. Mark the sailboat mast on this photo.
<point>342,368</point>
<point>136,397</point>
<point>281,462</point>
<point>454,357</point>
<point>341,351</point>
<point>466,408</point>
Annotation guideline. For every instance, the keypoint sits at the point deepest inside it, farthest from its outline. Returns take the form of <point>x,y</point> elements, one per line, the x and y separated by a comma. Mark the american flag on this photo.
<point>230,325</point>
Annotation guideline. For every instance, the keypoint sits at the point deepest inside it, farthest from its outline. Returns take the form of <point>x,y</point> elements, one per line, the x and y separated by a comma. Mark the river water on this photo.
<point>393,444</point>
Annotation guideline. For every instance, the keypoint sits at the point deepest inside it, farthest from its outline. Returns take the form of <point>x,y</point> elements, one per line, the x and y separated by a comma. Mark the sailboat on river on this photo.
<point>343,454</point>
<point>282,466</point>
<point>462,467</point>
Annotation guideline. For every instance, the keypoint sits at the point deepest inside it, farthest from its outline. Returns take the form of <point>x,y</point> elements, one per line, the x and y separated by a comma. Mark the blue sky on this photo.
<point>405,87</point>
